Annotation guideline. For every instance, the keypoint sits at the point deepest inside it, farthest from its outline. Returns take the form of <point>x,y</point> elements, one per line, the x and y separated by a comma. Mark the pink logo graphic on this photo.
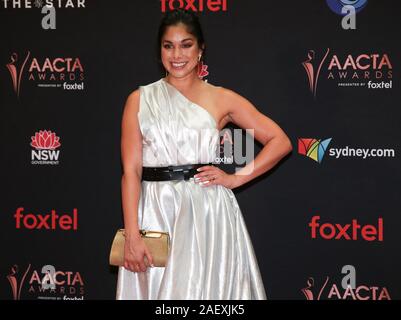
<point>310,69</point>
<point>308,292</point>
<point>16,73</point>
<point>16,285</point>
<point>47,282</point>
<point>46,72</point>
<point>335,292</point>
<point>45,139</point>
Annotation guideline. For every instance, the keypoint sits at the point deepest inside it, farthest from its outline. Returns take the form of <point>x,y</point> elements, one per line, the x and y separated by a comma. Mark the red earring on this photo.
<point>202,69</point>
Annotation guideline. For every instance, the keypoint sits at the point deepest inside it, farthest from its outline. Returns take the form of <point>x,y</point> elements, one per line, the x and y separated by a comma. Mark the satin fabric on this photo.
<point>211,254</point>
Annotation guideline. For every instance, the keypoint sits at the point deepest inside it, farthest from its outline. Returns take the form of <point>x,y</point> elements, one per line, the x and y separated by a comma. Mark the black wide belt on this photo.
<point>182,172</point>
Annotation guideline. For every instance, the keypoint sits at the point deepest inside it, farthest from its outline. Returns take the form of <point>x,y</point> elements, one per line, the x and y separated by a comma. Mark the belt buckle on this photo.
<point>187,174</point>
<point>184,172</point>
<point>171,169</point>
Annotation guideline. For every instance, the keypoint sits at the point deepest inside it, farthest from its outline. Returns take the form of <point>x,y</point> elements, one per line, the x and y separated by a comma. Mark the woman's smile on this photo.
<point>178,65</point>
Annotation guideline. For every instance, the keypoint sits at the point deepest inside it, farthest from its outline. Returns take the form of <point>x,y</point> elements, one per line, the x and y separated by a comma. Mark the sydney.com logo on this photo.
<point>315,149</point>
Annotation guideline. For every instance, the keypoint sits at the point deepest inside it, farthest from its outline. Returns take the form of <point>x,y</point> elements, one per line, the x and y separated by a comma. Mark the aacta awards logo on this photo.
<point>327,288</point>
<point>61,72</point>
<point>366,70</point>
<point>350,231</point>
<point>194,5</point>
<point>45,143</point>
<point>30,4</point>
<point>48,283</point>
<point>49,221</point>
<point>16,70</point>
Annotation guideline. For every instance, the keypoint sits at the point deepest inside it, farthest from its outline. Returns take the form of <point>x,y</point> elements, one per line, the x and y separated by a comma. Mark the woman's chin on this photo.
<point>179,73</point>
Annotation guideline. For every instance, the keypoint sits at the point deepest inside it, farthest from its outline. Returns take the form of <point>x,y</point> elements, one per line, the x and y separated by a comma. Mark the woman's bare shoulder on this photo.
<point>222,91</point>
<point>132,101</point>
<point>215,90</point>
<point>134,94</point>
<point>224,95</point>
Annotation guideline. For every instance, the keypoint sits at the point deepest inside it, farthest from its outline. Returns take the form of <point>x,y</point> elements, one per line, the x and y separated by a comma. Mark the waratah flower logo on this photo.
<point>45,139</point>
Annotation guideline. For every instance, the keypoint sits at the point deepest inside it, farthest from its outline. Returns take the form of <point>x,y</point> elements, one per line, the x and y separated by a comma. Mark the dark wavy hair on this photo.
<point>186,17</point>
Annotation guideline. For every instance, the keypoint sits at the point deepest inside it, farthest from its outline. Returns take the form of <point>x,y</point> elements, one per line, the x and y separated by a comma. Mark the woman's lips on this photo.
<point>178,65</point>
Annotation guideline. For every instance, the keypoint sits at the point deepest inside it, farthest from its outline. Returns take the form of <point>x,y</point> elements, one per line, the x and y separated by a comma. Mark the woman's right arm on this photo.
<point>131,155</point>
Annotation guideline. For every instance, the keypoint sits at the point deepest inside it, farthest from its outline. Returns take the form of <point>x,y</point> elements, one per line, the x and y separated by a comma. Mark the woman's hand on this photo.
<point>210,175</point>
<point>134,252</point>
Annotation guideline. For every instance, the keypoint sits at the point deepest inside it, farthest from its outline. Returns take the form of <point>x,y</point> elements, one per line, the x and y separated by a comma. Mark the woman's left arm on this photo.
<point>276,143</point>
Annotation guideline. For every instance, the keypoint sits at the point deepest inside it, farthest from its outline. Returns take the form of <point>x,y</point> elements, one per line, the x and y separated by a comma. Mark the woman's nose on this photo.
<point>177,53</point>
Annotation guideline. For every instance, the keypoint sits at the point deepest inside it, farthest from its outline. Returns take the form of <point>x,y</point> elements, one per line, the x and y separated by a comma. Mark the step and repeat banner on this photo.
<point>325,222</point>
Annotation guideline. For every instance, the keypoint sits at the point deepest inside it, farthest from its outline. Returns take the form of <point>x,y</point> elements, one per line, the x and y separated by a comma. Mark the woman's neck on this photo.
<point>184,84</point>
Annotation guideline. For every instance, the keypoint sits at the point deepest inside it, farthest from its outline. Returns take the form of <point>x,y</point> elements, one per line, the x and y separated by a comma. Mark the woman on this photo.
<point>175,121</point>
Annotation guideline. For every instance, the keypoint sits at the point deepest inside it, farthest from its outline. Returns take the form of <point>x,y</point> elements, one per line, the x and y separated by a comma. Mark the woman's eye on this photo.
<point>169,46</point>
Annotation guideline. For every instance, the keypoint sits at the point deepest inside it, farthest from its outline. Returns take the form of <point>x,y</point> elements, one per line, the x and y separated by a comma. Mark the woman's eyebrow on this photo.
<point>181,40</point>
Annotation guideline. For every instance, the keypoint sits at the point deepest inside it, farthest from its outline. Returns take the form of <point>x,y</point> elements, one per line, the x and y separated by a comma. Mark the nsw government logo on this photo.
<point>44,144</point>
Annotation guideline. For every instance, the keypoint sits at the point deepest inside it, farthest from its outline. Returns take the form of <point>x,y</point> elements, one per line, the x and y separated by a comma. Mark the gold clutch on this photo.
<point>157,242</point>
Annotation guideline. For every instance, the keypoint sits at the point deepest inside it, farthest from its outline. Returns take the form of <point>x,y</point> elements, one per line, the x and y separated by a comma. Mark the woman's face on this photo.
<point>179,51</point>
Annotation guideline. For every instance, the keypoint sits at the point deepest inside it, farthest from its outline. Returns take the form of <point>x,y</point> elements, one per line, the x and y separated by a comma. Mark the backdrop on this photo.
<point>324,223</point>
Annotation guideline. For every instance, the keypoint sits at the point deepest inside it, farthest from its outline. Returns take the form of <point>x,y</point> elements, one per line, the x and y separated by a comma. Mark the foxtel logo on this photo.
<point>351,231</point>
<point>194,5</point>
<point>51,221</point>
